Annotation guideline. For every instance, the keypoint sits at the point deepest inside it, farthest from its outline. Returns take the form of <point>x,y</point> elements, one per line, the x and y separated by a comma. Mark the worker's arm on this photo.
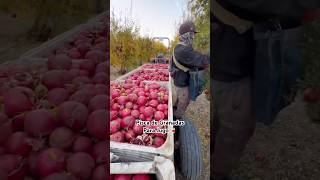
<point>191,58</point>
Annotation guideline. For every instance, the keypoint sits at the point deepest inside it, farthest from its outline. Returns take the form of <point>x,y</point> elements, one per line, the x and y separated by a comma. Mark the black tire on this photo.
<point>189,157</point>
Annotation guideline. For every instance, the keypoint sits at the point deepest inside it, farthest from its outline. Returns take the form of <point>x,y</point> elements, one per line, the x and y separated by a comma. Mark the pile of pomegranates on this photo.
<point>136,100</point>
<point>54,119</point>
<point>156,66</point>
<point>150,75</point>
<point>132,177</point>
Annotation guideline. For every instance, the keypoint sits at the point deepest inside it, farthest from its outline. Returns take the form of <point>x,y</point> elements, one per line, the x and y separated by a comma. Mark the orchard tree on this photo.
<point>200,10</point>
<point>48,15</point>
<point>128,49</point>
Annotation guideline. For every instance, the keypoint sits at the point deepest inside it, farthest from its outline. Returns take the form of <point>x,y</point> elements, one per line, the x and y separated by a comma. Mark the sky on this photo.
<point>155,17</point>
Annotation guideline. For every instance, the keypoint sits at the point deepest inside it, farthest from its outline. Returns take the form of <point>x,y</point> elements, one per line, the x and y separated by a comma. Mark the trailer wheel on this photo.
<point>189,157</point>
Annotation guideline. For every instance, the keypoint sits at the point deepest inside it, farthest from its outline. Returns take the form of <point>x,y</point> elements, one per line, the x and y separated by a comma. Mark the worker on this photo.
<point>233,74</point>
<point>185,62</point>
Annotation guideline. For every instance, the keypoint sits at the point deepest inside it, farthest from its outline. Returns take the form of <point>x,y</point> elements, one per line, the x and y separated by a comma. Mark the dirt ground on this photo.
<point>288,150</point>
<point>199,112</point>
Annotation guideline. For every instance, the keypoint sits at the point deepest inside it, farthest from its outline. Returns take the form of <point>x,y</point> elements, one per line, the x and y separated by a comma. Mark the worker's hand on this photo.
<point>310,16</point>
<point>243,25</point>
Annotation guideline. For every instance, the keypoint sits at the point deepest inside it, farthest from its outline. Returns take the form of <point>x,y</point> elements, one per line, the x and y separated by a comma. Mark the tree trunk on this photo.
<point>123,69</point>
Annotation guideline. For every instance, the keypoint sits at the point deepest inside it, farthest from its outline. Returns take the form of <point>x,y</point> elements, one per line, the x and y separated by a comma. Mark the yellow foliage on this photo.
<point>128,49</point>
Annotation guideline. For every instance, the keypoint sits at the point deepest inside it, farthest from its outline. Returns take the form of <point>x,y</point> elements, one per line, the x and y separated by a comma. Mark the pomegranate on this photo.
<point>158,141</point>
<point>122,177</point>
<point>32,160</point>
<point>113,115</point>
<point>60,176</point>
<point>100,89</point>
<point>18,144</point>
<point>13,166</point>
<point>129,135</point>
<point>122,100</point>
<point>135,114</point>
<point>125,112</point>
<point>137,129</point>
<point>60,61</point>
<point>142,100</point>
<point>99,152</point>
<point>88,66</point>
<point>133,97</point>
<point>98,102</point>
<point>114,126</point>
<point>82,96</point>
<point>127,122</point>
<point>3,118</point>
<point>115,107</point>
<point>54,79</point>
<point>311,94</point>
<point>73,115</point>
<point>82,144</point>
<point>97,124</point>
<point>50,161</point>
<point>115,94</point>
<point>96,56</point>
<point>62,138</point>
<point>148,112</point>
<point>100,78</point>
<point>74,54</point>
<point>153,95</point>
<point>159,115</point>
<point>39,122</point>
<point>102,67</point>
<point>153,103</point>
<point>100,173</point>
<point>16,102</point>
<point>81,80</point>
<point>118,137</point>
<point>83,47</point>
<point>5,132</point>
<point>57,96</point>
<point>81,165</point>
<point>129,105</point>
<point>161,107</point>
<point>141,177</point>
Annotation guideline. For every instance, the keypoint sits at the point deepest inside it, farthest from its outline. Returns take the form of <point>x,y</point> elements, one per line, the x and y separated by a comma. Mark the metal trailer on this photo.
<point>160,167</point>
<point>182,147</point>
